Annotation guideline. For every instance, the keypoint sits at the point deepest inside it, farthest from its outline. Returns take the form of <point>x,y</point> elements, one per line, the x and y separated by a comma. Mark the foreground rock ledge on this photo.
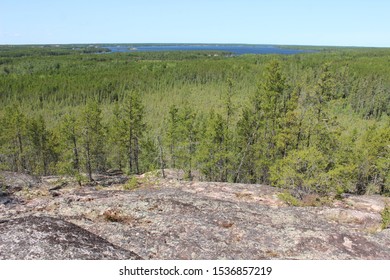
<point>51,238</point>
<point>173,219</point>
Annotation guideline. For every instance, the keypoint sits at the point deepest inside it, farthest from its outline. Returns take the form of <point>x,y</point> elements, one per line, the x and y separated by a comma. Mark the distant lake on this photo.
<point>235,49</point>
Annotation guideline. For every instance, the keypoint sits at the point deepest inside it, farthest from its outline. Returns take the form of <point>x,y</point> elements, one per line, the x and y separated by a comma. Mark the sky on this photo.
<point>280,22</point>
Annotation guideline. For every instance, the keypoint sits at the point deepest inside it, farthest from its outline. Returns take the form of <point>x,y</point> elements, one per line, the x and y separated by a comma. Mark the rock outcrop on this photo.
<point>51,238</point>
<point>11,182</point>
<point>174,219</point>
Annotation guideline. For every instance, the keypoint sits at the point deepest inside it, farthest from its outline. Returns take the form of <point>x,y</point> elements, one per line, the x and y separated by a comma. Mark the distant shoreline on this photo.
<point>236,49</point>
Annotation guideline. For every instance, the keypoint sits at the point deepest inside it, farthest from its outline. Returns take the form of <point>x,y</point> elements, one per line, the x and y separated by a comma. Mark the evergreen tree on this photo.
<point>134,113</point>
<point>259,125</point>
<point>70,138</point>
<point>13,139</point>
<point>304,171</point>
<point>374,161</point>
<point>172,134</point>
<point>130,129</point>
<point>182,138</point>
<point>248,130</point>
<point>213,154</point>
<point>42,147</point>
<point>188,139</point>
<point>217,150</point>
<point>116,139</point>
<point>92,138</point>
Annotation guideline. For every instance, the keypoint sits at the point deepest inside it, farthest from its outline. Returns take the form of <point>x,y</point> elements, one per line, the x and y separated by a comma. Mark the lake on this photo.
<point>235,49</point>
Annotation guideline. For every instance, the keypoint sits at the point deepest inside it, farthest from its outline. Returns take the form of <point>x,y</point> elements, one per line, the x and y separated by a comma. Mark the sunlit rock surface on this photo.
<point>174,219</point>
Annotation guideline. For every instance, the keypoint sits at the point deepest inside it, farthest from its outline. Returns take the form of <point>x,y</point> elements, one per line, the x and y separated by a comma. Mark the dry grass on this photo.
<point>116,216</point>
<point>226,224</point>
<point>243,195</point>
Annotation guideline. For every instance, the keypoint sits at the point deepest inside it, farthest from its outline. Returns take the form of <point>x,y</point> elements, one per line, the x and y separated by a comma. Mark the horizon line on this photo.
<point>193,43</point>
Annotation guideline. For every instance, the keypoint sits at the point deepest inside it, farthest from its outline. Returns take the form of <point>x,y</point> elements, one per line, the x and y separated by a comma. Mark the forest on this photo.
<point>312,122</point>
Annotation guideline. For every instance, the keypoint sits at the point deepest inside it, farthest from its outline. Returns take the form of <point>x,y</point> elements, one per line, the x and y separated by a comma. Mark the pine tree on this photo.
<point>188,137</point>
<point>270,103</point>
<point>374,160</point>
<point>324,91</point>
<point>129,130</point>
<point>248,130</point>
<point>116,140</point>
<point>92,138</point>
<point>133,120</point>
<point>13,139</point>
<point>322,128</point>
<point>70,136</point>
<point>42,146</point>
<point>172,134</point>
<point>217,149</point>
<point>213,155</point>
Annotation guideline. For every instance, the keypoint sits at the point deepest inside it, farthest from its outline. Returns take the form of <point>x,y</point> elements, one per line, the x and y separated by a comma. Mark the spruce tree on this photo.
<point>129,129</point>
<point>212,154</point>
<point>14,138</point>
<point>42,146</point>
<point>134,122</point>
<point>172,134</point>
<point>268,110</point>
<point>92,138</point>
<point>70,138</point>
<point>188,139</point>
<point>116,141</point>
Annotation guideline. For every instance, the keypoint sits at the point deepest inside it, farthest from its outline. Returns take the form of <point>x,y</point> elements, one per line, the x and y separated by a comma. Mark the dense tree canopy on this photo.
<point>314,122</point>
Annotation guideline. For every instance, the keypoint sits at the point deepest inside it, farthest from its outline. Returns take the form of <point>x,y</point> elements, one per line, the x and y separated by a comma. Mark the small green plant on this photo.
<point>26,193</point>
<point>289,199</point>
<point>385,217</point>
<point>339,193</point>
<point>3,187</point>
<point>99,187</point>
<point>131,184</point>
<point>150,178</point>
<point>80,178</point>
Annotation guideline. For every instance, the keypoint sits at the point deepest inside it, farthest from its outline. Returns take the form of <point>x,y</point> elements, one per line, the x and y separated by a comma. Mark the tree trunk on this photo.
<point>136,156</point>
<point>161,156</point>
<point>76,161</point>
<point>21,156</point>
<point>89,164</point>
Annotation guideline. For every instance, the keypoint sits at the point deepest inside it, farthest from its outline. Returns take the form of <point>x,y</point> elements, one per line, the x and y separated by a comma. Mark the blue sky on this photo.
<point>299,22</point>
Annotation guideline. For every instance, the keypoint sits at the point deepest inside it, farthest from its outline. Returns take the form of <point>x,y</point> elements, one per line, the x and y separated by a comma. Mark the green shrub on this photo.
<point>80,178</point>
<point>385,217</point>
<point>289,199</point>
<point>303,170</point>
<point>131,184</point>
<point>3,187</point>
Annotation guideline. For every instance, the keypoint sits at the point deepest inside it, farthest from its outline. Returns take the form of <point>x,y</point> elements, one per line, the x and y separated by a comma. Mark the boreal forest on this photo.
<point>315,122</point>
